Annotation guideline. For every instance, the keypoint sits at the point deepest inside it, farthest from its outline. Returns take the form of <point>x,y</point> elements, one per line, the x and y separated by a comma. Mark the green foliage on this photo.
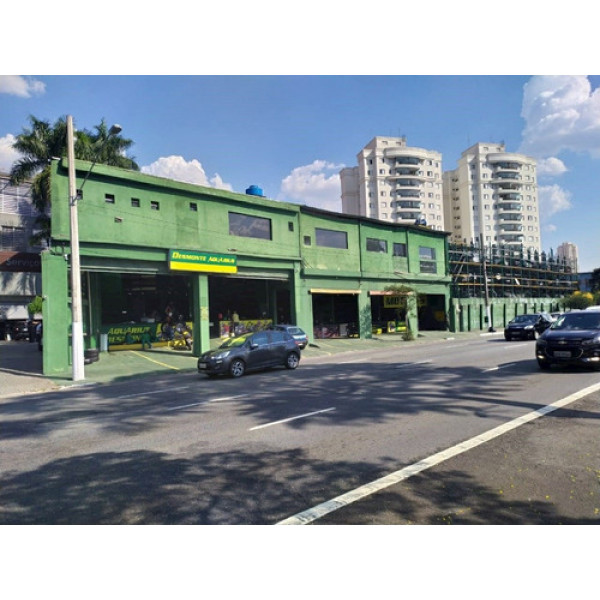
<point>41,142</point>
<point>35,306</point>
<point>579,300</point>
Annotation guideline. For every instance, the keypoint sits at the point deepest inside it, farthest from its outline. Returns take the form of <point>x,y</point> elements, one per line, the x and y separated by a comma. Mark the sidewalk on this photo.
<point>21,362</point>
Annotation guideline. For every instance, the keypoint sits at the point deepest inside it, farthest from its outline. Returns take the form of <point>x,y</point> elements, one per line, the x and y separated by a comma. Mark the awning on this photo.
<point>9,311</point>
<point>327,291</point>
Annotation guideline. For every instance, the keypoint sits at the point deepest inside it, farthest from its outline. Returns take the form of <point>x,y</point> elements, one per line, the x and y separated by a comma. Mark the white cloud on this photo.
<point>561,112</point>
<point>7,155</point>
<point>25,87</point>
<point>553,199</point>
<point>317,184</point>
<point>550,167</point>
<point>177,168</point>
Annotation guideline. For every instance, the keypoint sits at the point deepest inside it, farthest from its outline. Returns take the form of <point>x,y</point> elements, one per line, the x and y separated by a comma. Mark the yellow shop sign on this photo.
<point>188,260</point>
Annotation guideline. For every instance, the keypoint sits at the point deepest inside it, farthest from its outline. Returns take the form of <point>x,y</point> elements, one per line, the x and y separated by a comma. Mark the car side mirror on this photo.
<point>253,346</point>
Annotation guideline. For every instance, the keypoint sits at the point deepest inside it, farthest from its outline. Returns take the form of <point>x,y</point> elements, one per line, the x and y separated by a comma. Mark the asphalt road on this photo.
<point>271,447</point>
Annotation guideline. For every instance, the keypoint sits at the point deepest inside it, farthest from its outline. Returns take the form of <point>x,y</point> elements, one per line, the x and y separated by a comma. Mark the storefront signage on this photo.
<point>186,260</point>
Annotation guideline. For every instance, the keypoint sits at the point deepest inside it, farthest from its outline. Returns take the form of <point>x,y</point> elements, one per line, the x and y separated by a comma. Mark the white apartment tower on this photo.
<point>394,182</point>
<point>568,252</point>
<point>493,193</point>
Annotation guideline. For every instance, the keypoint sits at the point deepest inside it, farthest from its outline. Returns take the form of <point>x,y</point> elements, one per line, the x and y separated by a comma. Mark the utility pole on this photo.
<point>488,309</point>
<point>76,312</point>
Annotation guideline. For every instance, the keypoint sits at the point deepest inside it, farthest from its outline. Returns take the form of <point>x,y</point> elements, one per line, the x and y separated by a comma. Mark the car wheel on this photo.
<point>292,360</point>
<point>544,365</point>
<point>237,368</point>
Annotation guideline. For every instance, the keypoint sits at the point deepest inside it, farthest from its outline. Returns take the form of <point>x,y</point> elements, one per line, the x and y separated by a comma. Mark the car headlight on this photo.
<point>222,355</point>
<point>528,326</point>
<point>591,341</point>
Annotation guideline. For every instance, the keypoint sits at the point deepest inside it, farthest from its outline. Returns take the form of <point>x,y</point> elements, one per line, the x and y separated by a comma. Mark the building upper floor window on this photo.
<point>375,245</point>
<point>399,249</point>
<point>12,238</point>
<point>331,239</point>
<point>427,262</point>
<point>249,226</point>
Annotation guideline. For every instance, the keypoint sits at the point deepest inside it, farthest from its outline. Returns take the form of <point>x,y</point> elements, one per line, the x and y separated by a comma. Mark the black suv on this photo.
<point>573,339</point>
<point>251,351</point>
<point>527,327</point>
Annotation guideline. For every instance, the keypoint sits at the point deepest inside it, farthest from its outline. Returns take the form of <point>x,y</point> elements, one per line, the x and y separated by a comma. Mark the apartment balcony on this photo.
<point>508,196</point>
<point>408,194</point>
<point>510,227</point>
<point>407,156</point>
<point>506,176</point>
<point>407,215</point>
<point>404,204</point>
<point>511,239</point>
<point>507,158</point>
<point>510,217</point>
<point>508,185</point>
<point>509,207</point>
<point>409,183</point>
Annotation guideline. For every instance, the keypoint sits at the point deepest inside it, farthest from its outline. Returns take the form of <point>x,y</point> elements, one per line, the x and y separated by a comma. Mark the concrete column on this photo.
<point>201,331</point>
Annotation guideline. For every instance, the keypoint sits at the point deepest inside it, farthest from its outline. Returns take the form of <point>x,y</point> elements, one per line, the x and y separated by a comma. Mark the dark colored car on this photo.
<point>298,334</point>
<point>20,330</point>
<point>527,327</point>
<point>249,352</point>
<point>574,339</point>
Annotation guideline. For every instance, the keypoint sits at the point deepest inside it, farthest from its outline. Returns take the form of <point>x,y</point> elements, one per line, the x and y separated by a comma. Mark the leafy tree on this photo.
<point>42,141</point>
<point>579,300</point>
<point>35,306</point>
<point>595,280</point>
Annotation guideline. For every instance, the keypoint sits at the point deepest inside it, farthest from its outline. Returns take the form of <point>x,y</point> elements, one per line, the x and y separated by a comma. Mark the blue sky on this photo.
<point>292,134</point>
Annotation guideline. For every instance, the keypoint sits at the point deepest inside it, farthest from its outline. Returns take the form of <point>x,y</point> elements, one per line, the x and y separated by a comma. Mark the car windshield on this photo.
<point>235,341</point>
<point>579,320</point>
<point>524,319</point>
<point>295,331</point>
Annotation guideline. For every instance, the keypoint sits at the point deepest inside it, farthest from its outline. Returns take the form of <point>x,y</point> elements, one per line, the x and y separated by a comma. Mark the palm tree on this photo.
<point>42,142</point>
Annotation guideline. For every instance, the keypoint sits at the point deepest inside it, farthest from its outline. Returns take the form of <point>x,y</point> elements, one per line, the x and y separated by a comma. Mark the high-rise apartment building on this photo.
<point>493,193</point>
<point>395,182</point>
<point>567,251</point>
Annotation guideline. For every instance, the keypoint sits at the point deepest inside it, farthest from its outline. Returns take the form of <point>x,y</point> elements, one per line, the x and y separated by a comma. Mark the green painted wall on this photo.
<point>147,216</point>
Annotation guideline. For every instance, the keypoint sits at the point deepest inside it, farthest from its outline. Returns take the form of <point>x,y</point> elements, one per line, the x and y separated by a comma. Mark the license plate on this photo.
<point>562,354</point>
<point>202,366</point>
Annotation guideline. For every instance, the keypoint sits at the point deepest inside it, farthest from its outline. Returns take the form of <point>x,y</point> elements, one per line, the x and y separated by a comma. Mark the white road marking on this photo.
<point>312,514</point>
<point>317,412</point>
<point>412,364</point>
<point>202,402</point>
<point>499,367</point>
<point>167,391</point>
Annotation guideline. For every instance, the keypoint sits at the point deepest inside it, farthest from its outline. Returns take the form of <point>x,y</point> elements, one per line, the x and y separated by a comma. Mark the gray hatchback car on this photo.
<point>250,352</point>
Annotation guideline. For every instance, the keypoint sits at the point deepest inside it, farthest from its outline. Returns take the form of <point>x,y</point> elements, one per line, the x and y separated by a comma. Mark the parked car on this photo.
<point>573,339</point>
<point>298,334</point>
<point>556,315</point>
<point>249,352</point>
<point>527,327</point>
<point>19,330</point>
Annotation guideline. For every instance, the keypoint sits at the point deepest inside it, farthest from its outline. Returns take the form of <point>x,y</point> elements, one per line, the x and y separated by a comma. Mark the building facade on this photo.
<point>20,271</point>
<point>568,252</point>
<point>493,195</point>
<point>151,247</point>
<point>396,183</point>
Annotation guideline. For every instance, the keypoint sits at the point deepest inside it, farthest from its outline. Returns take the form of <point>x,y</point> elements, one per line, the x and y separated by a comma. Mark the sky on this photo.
<point>291,134</point>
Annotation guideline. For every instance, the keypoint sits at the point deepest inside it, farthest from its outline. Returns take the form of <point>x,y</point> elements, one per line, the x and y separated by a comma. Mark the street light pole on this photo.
<point>76,312</point>
<point>76,303</point>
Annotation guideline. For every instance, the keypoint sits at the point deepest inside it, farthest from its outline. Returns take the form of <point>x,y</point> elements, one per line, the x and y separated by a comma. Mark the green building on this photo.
<point>222,260</point>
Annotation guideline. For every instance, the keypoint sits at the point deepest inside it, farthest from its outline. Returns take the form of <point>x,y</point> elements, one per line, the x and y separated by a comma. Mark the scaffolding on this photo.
<point>512,272</point>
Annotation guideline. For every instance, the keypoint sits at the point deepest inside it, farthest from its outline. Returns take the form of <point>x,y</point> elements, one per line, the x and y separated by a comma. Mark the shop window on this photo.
<point>375,245</point>
<point>249,226</point>
<point>330,238</point>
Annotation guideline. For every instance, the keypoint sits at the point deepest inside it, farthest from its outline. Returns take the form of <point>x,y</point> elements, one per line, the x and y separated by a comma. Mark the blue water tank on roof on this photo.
<point>254,190</point>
